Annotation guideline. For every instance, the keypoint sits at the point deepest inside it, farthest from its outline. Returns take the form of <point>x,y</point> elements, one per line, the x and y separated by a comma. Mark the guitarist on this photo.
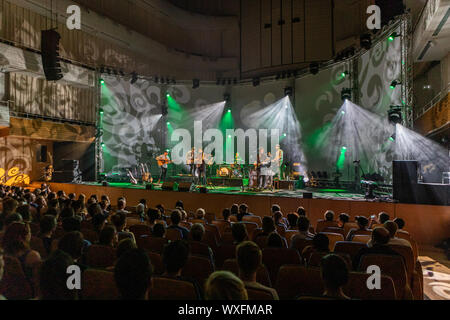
<point>201,167</point>
<point>163,161</point>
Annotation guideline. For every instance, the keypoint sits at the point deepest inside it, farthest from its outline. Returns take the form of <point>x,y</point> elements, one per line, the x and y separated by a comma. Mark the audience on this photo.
<point>274,240</point>
<point>239,233</point>
<point>72,243</point>
<point>334,272</point>
<point>224,285</point>
<point>243,211</point>
<point>392,227</point>
<point>47,228</point>
<point>292,219</point>
<point>303,231</point>
<point>226,213</point>
<point>108,236</point>
<point>159,231</point>
<point>362,222</point>
<point>119,220</point>
<point>175,219</point>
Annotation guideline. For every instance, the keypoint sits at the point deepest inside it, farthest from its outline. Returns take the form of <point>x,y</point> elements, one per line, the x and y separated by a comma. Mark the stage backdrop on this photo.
<point>316,128</point>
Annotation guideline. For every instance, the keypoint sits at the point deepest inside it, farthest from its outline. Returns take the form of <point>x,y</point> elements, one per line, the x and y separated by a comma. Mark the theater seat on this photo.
<point>90,235</point>
<point>157,263</point>
<point>261,241</point>
<point>250,227</point>
<point>227,238</point>
<point>210,217</point>
<point>98,256</point>
<point>322,224</point>
<point>415,278</point>
<point>98,285</point>
<point>348,226</point>
<point>361,238</point>
<point>333,238</point>
<point>356,287</point>
<point>140,230</point>
<point>316,258</point>
<point>200,249</point>
<point>14,285</point>
<point>262,274</point>
<point>224,252</point>
<point>300,244</point>
<point>173,234</point>
<point>151,243</point>
<point>254,219</point>
<point>214,230</point>
<point>295,280</point>
<point>37,244</point>
<point>256,294</point>
<point>172,289</point>
<point>334,230</point>
<point>274,258</point>
<point>288,234</point>
<point>349,247</point>
<point>198,268</point>
<point>221,225</point>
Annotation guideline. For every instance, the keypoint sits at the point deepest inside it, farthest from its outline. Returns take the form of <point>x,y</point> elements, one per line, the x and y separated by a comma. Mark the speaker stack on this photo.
<point>404,175</point>
<point>50,55</point>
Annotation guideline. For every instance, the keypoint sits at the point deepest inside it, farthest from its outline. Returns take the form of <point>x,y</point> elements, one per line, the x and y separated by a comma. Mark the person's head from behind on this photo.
<point>124,245</point>
<point>71,224</point>
<point>119,220</point>
<point>175,217</point>
<point>343,219</point>
<point>321,242</point>
<point>226,213</point>
<point>200,213</point>
<point>224,285</point>
<point>9,206</point>
<point>268,225</point>
<point>47,225</point>
<point>140,209</point>
<point>275,208</point>
<point>132,273</point>
<point>94,209</point>
<point>292,219</point>
<point>197,231</point>
<point>400,223</point>
<point>234,209</point>
<point>392,227</point>
<point>121,204</point>
<point>24,211</point>
<point>53,277</point>
<point>159,230</point>
<point>13,217</point>
<point>249,259</point>
<point>175,256</point>
<point>303,224</point>
<point>277,217</point>
<point>72,243</point>
<point>301,211</point>
<point>334,272</point>
<point>239,232</point>
<point>383,217</point>
<point>67,212</point>
<point>179,204</point>
<point>153,215</point>
<point>274,240</point>
<point>362,222</point>
<point>243,208</point>
<point>329,215</point>
<point>98,222</point>
<point>108,236</point>
<point>380,236</point>
<point>16,238</point>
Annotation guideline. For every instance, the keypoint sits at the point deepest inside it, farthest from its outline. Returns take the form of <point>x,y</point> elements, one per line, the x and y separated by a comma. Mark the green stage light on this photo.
<point>284,134</point>
<point>101,111</point>
<point>103,144</point>
<point>344,148</point>
<point>342,112</point>
<point>102,82</point>
<point>229,136</point>
<point>168,123</point>
<point>229,110</point>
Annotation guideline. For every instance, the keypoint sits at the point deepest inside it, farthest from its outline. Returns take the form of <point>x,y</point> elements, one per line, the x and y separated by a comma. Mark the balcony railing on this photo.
<point>441,95</point>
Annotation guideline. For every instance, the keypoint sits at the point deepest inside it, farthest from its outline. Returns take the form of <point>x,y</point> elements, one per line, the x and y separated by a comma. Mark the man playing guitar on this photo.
<point>190,157</point>
<point>278,161</point>
<point>201,167</point>
<point>163,161</point>
<point>146,177</point>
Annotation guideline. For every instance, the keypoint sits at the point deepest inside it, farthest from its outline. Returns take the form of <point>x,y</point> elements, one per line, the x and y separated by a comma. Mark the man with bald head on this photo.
<point>380,245</point>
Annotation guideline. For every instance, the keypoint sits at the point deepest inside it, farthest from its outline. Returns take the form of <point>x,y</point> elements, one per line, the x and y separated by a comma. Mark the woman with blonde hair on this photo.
<point>224,285</point>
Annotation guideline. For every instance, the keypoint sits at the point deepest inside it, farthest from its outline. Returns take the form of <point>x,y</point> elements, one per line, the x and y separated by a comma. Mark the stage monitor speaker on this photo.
<point>42,153</point>
<point>404,177</point>
<point>203,190</point>
<point>185,186</point>
<point>307,195</point>
<point>50,55</point>
<point>149,186</point>
<point>105,183</point>
<point>168,186</point>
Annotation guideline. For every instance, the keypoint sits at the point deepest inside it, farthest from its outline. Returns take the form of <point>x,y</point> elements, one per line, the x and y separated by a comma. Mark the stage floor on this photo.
<point>332,194</point>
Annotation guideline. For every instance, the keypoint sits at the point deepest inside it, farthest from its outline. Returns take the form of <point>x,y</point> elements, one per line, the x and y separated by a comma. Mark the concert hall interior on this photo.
<point>312,136</point>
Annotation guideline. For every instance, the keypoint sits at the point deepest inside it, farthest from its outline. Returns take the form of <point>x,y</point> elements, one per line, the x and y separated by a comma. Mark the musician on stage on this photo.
<point>190,157</point>
<point>163,161</point>
<point>262,168</point>
<point>270,173</point>
<point>278,161</point>
<point>201,167</point>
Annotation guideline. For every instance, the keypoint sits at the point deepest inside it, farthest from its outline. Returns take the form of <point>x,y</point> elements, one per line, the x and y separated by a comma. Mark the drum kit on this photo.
<point>231,171</point>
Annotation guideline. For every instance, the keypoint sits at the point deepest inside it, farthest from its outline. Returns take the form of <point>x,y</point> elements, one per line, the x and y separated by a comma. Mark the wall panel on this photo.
<point>266,33</point>
<point>286,29</point>
<point>276,32</point>
<point>298,31</point>
<point>251,38</point>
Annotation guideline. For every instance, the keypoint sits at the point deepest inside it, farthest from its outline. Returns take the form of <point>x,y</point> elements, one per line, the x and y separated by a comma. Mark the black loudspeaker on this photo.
<point>390,9</point>
<point>307,195</point>
<point>105,183</point>
<point>42,154</point>
<point>50,55</point>
<point>404,176</point>
<point>203,190</point>
<point>168,186</point>
<point>184,187</point>
<point>149,187</point>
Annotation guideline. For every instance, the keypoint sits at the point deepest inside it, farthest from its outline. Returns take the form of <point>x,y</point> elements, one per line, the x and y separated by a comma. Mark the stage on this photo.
<point>428,224</point>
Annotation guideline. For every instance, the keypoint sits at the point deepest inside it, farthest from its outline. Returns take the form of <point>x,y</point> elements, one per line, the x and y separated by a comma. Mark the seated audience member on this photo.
<point>179,205</point>
<point>276,208</point>
<point>380,240</point>
<point>292,221</point>
<point>175,219</point>
<point>343,219</point>
<point>278,220</point>
<point>16,243</point>
<point>98,222</point>
<point>226,213</point>
<point>392,227</point>
<point>104,206</point>
<point>25,212</point>
<point>243,211</point>
<point>268,226</point>
<point>174,257</point>
<point>153,215</point>
<point>53,278</point>
<point>161,210</point>
<point>10,219</point>
<point>74,224</point>
<point>334,272</point>
<point>274,240</point>
<point>234,209</point>
<point>140,211</point>
<point>133,273</point>
<point>249,259</point>
<point>224,285</point>
<point>108,236</point>
<point>400,224</point>
<point>47,228</point>
<point>197,232</point>
<point>72,243</point>
<point>119,220</point>
<point>382,218</point>
<point>301,211</point>
<point>67,212</point>
<point>200,214</point>
<point>159,231</point>
<point>94,209</point>
<point>124,245</point>
<point>303,231</point>
<point>320,243</point>
<point>121,205</point>
<point>362,228</point>
<point>239,233</point>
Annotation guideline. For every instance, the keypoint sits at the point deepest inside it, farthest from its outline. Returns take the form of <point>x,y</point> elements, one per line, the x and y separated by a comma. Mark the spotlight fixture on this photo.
<point>102,82</point>
<point>101,111</point>
<point>395,114</point>
<point>346,94</point>
<point>288,91</point>
<point>195,83</point>
<point>394,84</point>
<point>227,97</point>
<point>392,138</point>
<point>393,36</point>
<point>134,77</point>
<point>366,41</point>
<point>345,74</point>
<point>314,68</point>
<point>256,81</point>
